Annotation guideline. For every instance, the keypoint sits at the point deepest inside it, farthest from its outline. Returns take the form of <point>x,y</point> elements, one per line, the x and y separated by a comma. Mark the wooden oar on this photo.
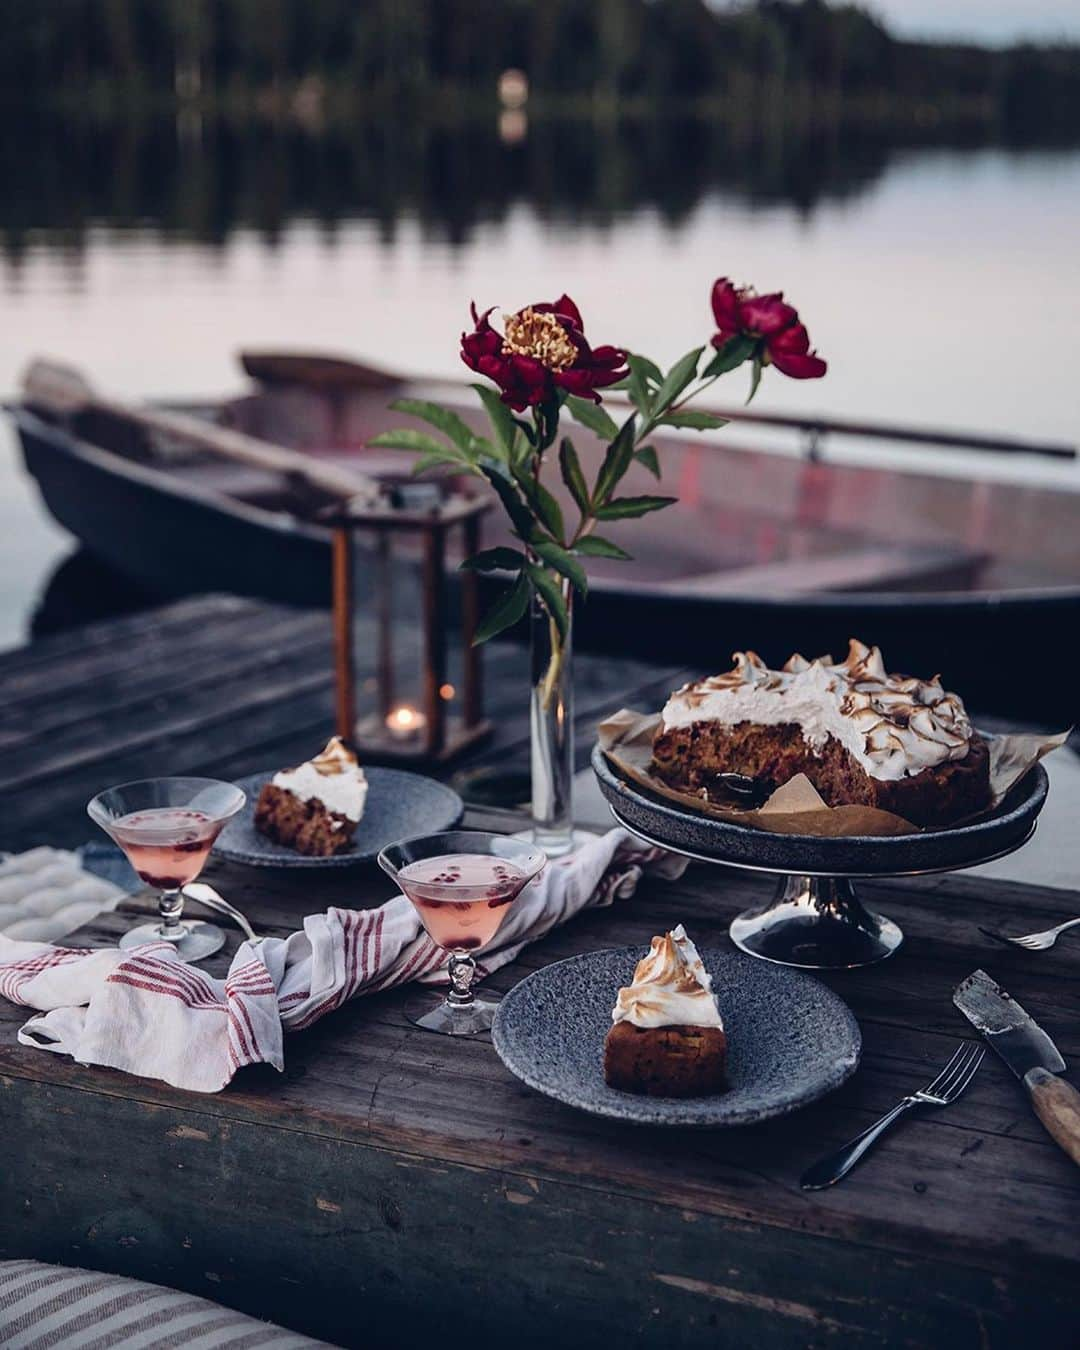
<point>64,391</point>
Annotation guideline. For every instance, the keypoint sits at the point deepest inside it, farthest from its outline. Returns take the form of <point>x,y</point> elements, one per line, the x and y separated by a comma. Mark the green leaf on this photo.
<point>544,506</point>
<point>647,456</point>
<point>651,371</point>
<point>562,561</point>
<point>515,508</point>
<point>573,476</point>
<point>526,429</point>
<point>623,507</point>
<point>594,546</point>
<point>755,378</point>
<point>639,383</point>
<point>733,353</point>
<point>437,460</point>
<point>678,377</point>
<point>591,415</point>
<point>500,417</point>
<point>421,442</point>
<point>551,593</point>
<point>696,421</point>
<point>494,560</point>
<point>505,612</point>
<point>449,423</point>
<point>616,461</point>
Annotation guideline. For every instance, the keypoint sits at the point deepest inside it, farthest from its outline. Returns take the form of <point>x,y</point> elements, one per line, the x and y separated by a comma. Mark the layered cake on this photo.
<point>861,735</point>
<point>667,1037</point>
<point>315,807</point>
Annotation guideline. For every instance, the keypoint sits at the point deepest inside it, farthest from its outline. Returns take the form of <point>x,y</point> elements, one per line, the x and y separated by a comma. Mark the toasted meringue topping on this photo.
<point>671,987</point>
<point>333,777</point>
<point>894,725</point>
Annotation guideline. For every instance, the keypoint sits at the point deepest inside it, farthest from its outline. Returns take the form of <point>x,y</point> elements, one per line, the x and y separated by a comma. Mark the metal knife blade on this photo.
<point>1017,1038</point>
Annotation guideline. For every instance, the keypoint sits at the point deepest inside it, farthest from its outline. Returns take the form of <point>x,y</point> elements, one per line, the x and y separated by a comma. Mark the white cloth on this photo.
<point>47,893</point>
<point>147,1013</point>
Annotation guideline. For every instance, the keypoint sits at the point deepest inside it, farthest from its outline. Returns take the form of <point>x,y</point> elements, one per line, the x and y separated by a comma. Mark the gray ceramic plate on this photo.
<point>399,804</point>
<point>852,855</point>
<point>791,1040</point>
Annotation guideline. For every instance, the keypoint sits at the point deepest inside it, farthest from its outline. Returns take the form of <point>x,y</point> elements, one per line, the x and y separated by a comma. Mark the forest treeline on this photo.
<point>220,53</point>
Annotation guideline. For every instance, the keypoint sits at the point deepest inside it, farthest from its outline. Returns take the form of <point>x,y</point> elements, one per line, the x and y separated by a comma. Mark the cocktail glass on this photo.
<point>462,884</point>
<point>167,827</point>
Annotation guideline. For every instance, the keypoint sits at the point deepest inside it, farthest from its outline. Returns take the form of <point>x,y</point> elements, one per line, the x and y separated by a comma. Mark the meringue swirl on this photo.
<point>671,987</point>
<point>333,777</point>
<point>895,726</point>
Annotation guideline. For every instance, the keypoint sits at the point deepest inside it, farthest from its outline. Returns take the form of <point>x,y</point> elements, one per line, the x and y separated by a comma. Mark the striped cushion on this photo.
<point>56,1308</point>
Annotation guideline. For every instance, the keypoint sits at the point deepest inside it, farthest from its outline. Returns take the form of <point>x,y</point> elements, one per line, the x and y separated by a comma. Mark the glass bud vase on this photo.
<point>551,717</point>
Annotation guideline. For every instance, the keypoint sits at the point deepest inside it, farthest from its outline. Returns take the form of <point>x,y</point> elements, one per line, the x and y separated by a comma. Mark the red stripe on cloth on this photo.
<point>195,994</point>
<point>18,973</point>
<point>121,977</point>
<point>378,942</point>
<point>238,1013</point>
<point>199,983</point>
<point>179,976</point>
<point>253,979</point>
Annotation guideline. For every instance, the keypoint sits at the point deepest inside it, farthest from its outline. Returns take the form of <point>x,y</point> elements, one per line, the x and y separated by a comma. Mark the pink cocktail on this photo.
<point>167,827</point>
<point>462,884</point>
<point>166,845</point>
<point>481,886</point>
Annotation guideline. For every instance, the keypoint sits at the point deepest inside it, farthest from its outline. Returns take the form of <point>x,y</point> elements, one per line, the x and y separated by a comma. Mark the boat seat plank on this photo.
<point>860,569</point>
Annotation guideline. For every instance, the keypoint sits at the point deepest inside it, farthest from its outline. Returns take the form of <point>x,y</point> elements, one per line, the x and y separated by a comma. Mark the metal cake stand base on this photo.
<point>816,921</point>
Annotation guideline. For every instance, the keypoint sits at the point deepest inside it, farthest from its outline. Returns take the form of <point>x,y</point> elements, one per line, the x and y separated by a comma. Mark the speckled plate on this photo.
<point>790,1040</point>
<point>399,804</point>
<point>723,841</point>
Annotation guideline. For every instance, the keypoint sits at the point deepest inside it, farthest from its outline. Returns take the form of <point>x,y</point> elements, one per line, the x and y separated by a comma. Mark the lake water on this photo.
<point>943,287</point>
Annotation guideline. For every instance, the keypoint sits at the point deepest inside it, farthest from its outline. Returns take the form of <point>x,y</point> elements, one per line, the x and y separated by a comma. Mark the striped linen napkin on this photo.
<point>147,1013</point>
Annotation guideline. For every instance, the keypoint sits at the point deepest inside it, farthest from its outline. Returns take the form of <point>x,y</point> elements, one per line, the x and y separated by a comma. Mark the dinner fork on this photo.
<point>943,1091</point>
<point>1032,942</point>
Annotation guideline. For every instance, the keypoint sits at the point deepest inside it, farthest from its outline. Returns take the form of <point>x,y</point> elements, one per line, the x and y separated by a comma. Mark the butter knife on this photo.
<point>1028,1051</point>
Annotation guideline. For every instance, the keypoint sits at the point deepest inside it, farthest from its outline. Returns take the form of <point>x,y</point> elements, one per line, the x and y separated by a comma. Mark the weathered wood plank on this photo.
<point>367,1076</point>
<point>222,687</point>
<point>374,1247</point>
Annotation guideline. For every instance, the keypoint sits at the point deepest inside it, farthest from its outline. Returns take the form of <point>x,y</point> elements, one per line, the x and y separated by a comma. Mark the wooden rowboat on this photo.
<point>976,578</point>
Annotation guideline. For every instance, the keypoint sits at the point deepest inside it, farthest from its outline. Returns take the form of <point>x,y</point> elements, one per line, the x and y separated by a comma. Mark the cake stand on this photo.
<point>816,918</point>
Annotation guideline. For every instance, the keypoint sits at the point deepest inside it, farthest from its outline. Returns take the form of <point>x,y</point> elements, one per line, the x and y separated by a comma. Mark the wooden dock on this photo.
<point>220,686</point>
<point>393,1187</point>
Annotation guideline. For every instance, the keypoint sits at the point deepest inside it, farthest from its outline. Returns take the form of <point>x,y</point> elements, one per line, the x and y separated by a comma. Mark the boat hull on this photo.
<point>173,539</point>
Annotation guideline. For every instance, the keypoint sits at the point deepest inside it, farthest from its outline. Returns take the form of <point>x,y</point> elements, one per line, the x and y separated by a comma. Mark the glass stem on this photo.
<point>170,907</point>
<point>552,729</point>
<point>462,972</point>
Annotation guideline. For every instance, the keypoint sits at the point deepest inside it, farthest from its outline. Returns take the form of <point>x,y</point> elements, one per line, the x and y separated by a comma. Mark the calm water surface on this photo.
<point>946,291</point>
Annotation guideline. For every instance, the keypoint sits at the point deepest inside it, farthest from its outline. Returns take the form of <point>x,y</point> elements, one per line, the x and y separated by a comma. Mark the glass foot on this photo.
<point>453,1019</point>
<point>197,940</point>
<point>818,923</point>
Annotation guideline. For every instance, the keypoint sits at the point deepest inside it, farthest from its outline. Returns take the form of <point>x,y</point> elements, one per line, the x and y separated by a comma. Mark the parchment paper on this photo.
<point>626,739</point>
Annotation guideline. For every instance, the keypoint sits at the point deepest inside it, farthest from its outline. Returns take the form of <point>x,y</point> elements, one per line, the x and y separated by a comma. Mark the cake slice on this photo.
<point>315,807</point>
<point>667,1037</point>
<point>862,736</point>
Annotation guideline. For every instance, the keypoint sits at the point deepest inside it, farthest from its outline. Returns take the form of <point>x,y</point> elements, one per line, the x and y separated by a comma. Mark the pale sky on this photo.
<point>985,20</point>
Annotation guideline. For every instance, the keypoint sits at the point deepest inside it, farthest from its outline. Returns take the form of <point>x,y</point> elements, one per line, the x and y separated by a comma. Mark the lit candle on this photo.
<point>405,722</point>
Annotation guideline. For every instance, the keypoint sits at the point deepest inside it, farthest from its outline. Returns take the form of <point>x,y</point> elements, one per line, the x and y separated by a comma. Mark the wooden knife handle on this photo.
<point>1057,1104</point>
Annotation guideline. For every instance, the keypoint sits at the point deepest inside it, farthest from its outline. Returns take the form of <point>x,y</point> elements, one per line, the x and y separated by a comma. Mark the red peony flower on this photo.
<point>541,349</point>
<point>768,320</point>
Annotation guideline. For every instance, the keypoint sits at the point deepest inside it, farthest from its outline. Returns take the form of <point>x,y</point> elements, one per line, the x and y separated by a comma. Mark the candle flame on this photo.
<point>404,718</point>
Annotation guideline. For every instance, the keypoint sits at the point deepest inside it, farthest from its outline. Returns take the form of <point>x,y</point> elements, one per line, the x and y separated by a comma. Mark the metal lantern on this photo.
<point>395,552</point>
